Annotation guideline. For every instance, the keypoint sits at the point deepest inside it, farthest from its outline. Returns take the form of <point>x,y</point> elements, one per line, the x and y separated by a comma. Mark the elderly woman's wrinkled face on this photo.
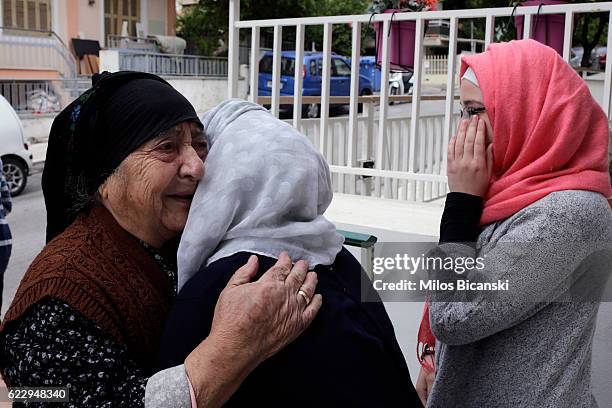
<point>471,97</point>
<point>151,191</point>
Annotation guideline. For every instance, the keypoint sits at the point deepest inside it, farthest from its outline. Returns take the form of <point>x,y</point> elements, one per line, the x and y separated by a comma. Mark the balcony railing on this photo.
<point>31,97</point>
<point>417,140</point>
<point>171,64</point>
<point>35,50</point>
<point>133,43</point>
<point>428,156</point>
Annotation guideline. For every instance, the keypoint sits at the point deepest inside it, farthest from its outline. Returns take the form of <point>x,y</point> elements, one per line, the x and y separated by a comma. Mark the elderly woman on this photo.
<point>122,166</point>
<point>528,175</point>
<point>266,190</point>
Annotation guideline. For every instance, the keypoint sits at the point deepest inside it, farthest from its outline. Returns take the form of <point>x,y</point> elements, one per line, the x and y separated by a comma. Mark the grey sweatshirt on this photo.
<point>528,346</point>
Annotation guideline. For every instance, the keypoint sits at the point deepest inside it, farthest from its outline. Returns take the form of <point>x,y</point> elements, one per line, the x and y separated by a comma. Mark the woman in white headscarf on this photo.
<point>265,190</point>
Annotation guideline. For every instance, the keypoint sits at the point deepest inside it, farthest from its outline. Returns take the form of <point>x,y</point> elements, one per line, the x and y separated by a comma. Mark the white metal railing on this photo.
<point>31,97</point>
<point>428,155</point>
<point>172,64</point>
<point>436,65</point>
<point>410,170</point>
<point>35,50</point>
<point>136,43</point>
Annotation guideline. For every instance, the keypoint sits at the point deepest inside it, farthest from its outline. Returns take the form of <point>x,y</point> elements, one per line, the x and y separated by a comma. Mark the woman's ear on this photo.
<point>112,184</point>
<point>103,190</point>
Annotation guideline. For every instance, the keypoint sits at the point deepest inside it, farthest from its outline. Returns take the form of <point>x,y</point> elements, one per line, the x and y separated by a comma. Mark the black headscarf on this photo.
<point>96,132</point>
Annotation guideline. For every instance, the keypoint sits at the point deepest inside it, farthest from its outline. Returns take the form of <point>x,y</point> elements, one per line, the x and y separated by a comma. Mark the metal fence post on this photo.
<point>232,54</point>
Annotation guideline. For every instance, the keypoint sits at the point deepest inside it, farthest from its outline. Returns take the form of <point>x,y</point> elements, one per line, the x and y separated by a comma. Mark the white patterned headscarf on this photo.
<point>265,190</point>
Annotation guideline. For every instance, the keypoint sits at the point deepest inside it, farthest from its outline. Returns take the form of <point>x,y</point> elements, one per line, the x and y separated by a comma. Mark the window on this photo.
<point>340,68</point>
<point>27,14</point>
<point>315,67</point>
<point>265,65</point>
<point>287,65</point>
<point>118,11</point>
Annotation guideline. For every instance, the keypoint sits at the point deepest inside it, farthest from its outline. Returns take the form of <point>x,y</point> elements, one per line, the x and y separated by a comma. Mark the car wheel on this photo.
<point>15,174</point>
<point>312,111</point>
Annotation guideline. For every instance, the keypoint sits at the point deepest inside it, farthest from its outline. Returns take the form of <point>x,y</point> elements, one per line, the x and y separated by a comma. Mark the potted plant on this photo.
<point>401,33</point>
<point>546,28</point>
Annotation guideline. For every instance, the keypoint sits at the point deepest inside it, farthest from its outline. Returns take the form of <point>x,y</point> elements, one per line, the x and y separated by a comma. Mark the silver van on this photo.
<point>16,158</point>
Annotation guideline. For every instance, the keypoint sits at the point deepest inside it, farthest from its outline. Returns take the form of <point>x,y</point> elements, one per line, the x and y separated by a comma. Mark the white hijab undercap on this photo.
<point>470,76</point>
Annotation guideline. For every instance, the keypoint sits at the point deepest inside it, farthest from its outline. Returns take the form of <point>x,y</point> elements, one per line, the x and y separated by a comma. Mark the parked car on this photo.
<point>16,159</point>
<point>340,79</point>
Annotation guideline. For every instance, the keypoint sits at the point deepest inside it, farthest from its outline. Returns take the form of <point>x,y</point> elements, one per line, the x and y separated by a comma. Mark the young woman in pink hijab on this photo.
<point>528,175</point>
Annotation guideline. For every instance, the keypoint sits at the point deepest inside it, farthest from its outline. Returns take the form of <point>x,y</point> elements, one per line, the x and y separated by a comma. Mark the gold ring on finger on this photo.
<point>304,295</point>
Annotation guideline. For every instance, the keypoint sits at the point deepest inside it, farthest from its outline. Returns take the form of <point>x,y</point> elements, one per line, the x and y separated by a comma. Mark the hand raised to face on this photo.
<point>470,161</point>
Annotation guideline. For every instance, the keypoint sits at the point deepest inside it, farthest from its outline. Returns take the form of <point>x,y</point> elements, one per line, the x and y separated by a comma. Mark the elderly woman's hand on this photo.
<point>470,161</point>
<point>252,322</point>
<point>264,316</point>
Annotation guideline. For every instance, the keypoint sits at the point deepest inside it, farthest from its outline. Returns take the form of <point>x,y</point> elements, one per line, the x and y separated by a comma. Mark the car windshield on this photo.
<point>287,65</point>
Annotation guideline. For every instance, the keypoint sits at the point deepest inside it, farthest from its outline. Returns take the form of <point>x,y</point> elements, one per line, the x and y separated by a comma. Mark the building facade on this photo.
<point>33,31</point>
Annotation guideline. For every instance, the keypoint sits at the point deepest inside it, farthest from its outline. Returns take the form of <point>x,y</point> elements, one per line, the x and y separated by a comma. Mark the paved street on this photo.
<point>27,222</point>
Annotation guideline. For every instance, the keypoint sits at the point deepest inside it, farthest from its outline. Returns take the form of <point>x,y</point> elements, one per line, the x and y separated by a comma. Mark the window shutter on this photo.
<point>31,15</point>
<point>19,21</point>
<point>27,14</point>
<point>45,24</point>
<point>7,13</point>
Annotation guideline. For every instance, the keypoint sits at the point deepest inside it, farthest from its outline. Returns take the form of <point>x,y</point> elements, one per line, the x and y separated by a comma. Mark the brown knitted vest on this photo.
<point>99,269</point>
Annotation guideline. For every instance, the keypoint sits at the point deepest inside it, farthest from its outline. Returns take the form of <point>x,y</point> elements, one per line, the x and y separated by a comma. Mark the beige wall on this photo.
<point>78,17</point>
<point>90,20</point>
<point>62,20</point>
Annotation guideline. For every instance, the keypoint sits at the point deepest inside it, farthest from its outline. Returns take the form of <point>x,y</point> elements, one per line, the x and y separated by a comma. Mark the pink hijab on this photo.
<point>549,134</point>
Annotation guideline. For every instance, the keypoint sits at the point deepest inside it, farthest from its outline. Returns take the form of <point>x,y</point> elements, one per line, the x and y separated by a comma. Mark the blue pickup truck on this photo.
<point>340,79</point>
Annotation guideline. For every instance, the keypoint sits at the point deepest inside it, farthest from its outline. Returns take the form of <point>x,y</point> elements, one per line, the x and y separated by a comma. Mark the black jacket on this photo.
<point>348,357</point>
